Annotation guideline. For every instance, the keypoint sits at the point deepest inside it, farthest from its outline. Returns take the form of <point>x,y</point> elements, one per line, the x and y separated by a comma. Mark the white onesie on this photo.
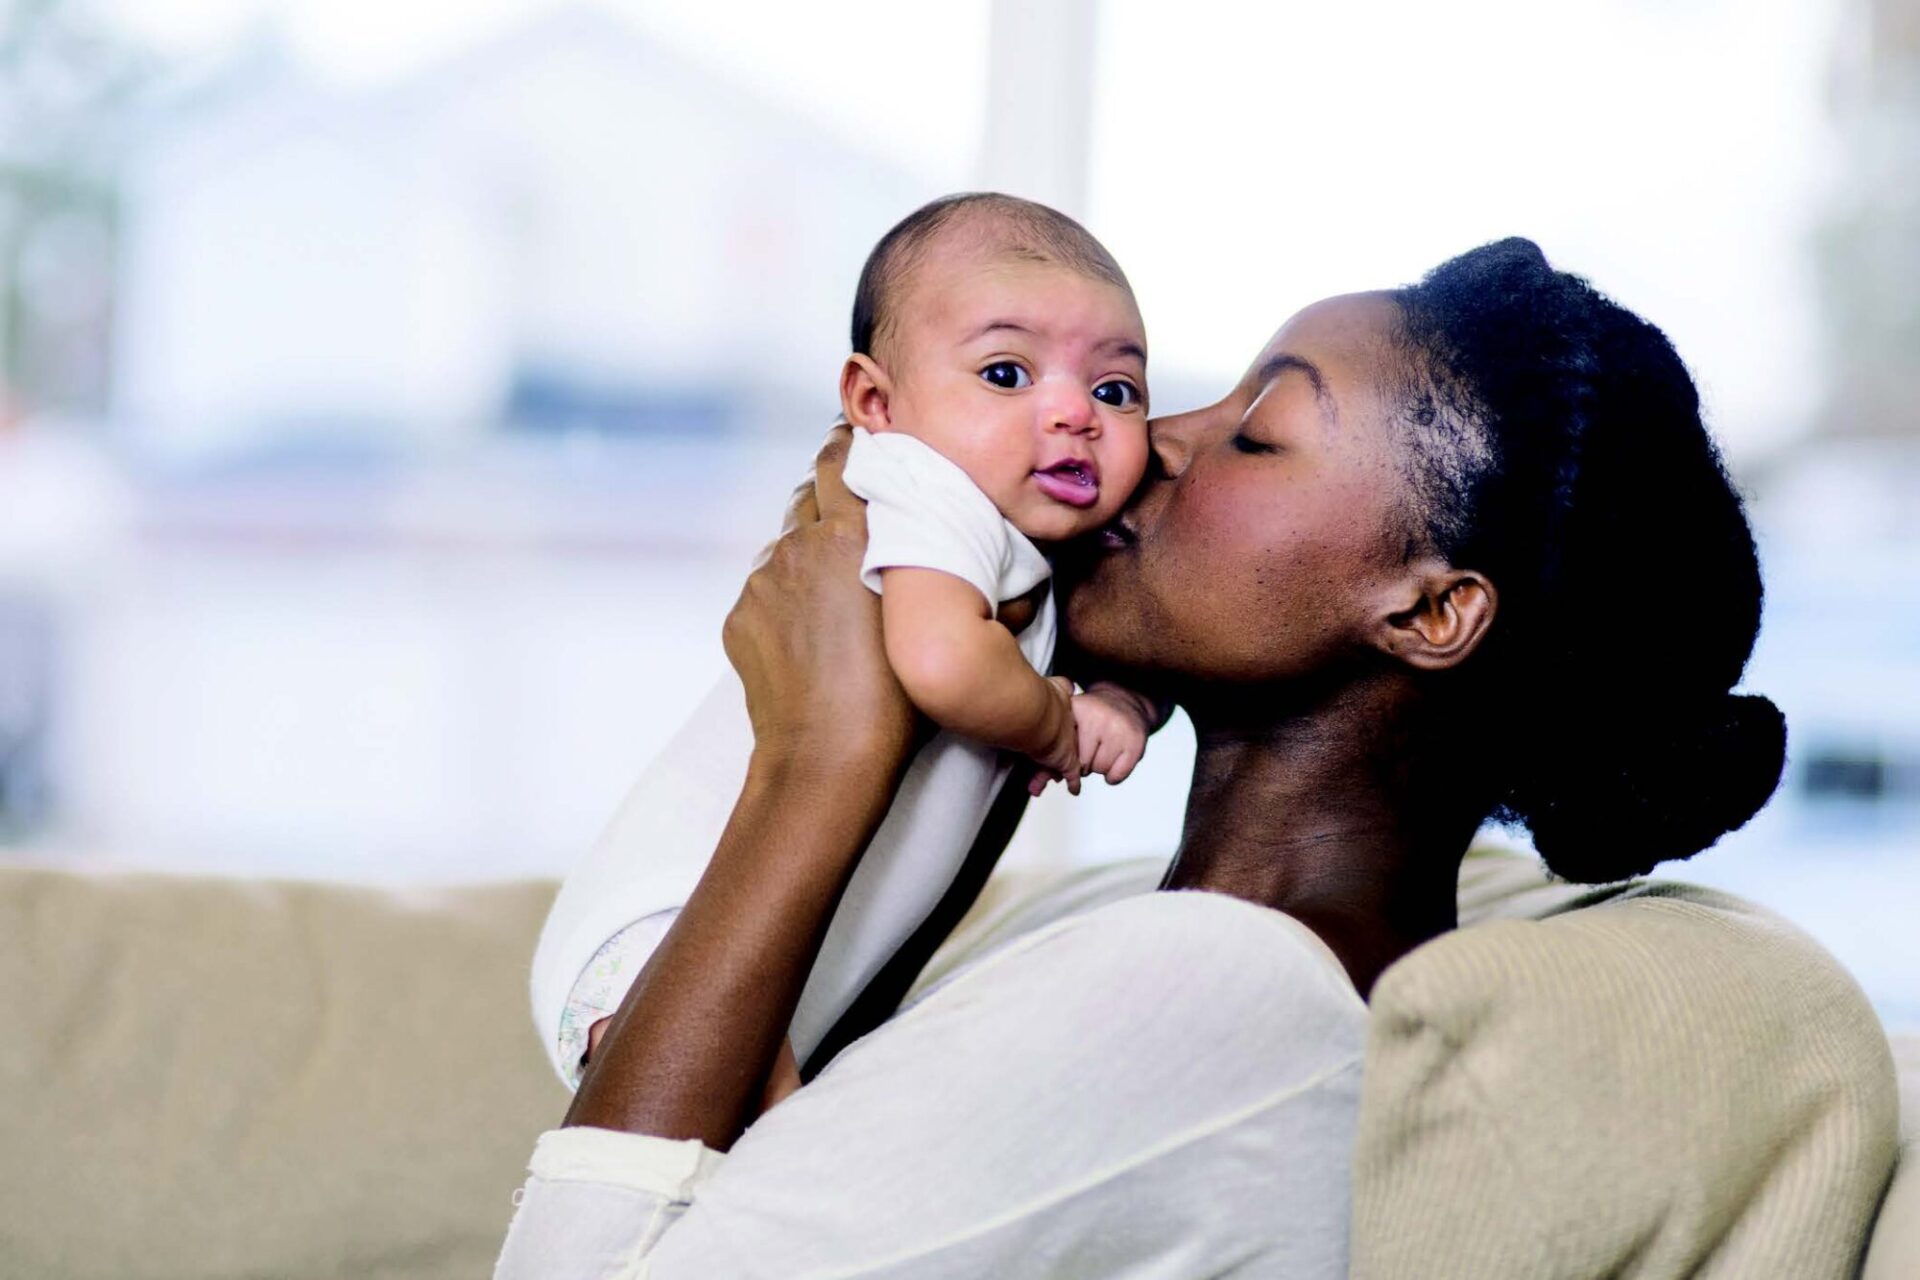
<point>616,905</point>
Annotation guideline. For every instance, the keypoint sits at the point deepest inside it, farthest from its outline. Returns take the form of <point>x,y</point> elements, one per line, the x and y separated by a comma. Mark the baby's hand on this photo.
<point>1059,759</point>
<point>1113,725</point>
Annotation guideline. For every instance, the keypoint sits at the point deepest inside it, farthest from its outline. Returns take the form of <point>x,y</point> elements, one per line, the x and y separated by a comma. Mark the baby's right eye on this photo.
<point>1006,375</point>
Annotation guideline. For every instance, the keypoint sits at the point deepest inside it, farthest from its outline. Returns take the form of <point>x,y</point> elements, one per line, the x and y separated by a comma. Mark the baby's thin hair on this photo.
<point>1012,226</point>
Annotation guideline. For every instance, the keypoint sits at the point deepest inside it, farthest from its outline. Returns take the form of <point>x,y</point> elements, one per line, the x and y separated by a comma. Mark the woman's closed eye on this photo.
<point>1247,444</point>
<point>1118,393</point>
<point>1006,375</point>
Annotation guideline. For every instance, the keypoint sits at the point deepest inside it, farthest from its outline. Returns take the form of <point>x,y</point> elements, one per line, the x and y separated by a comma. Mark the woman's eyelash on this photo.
<point>1247,444</point>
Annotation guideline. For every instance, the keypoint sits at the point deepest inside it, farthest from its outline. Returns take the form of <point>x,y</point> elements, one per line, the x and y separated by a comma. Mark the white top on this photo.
<point>924,512</point>
<point>1165,1086</point>
<point>617,902</point>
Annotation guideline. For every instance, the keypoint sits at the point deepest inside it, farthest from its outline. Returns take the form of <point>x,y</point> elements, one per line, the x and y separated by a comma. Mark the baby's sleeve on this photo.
<point>924,512</point>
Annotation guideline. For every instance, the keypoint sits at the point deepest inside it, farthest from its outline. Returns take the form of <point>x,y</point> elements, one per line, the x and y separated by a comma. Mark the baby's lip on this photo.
<point>1074,481</point>
<point>1084,468</point>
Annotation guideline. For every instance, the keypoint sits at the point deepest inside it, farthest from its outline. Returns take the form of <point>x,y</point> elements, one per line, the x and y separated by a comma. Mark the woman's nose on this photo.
<point>1173,440</point>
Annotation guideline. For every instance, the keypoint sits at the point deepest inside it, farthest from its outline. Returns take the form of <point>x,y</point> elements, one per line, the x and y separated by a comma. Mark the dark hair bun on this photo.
<point>1559,449</point>
<point>1664,786</point>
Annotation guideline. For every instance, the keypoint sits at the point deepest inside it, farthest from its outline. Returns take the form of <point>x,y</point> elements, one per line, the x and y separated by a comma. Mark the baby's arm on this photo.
<point>965,671</point>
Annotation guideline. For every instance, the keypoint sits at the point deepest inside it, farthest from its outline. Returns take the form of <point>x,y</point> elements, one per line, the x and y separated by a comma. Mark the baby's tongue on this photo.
<point>1069,484</point>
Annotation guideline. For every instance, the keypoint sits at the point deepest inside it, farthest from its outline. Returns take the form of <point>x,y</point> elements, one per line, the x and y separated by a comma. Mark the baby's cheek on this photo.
<point>1123,473</point>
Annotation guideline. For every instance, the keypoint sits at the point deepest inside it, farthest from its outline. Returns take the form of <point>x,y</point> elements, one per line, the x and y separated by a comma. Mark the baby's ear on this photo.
<point>865,392</point>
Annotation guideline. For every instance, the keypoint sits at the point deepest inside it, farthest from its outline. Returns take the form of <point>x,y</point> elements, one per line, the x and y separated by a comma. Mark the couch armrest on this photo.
<point>223,1078</point>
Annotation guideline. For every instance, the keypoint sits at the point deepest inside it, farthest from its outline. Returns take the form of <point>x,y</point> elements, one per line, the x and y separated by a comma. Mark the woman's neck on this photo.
<point>1335,815</point>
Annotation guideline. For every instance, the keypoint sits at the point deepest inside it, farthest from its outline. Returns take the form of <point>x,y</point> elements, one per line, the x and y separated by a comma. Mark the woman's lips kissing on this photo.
<point>1117,534</point>
<point>1074,481</point>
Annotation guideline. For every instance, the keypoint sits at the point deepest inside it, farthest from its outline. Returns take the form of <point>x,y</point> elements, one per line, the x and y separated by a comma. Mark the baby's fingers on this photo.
<point>1093,751</point>
<point>1122,767</point>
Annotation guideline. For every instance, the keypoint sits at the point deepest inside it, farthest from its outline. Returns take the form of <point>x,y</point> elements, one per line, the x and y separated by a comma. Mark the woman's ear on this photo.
<point>1443,613</point>
<point>865,391</point>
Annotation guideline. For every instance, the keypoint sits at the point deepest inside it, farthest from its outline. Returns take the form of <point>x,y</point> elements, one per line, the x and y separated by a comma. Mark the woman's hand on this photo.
<point>805,639</point>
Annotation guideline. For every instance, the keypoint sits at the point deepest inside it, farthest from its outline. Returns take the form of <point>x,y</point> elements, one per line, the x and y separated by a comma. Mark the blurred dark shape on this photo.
<point>26,679</point>
<point>1855,773</point>
<point>1832,774</point>
<point>552,400</point>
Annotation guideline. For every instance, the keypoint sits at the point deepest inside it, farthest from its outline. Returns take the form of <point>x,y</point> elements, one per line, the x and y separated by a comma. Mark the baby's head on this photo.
<point>1002,334</point>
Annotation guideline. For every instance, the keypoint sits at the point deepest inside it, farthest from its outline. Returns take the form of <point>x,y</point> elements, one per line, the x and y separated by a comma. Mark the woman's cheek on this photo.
<point>1233,522</point>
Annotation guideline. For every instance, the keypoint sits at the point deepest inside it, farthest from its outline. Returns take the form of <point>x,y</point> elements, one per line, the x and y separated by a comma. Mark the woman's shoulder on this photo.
<point>1025,904</point>
<point>1197,960</point>
<point>1209,931</point>
<point>1215,922</point>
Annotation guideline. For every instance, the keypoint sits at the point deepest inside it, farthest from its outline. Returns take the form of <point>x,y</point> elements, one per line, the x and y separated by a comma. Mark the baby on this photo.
<point>997,392</point>
<point>997,389</point>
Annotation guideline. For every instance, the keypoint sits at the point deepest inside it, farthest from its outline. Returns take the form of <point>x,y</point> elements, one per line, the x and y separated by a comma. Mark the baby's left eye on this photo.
<point>1118,393</point>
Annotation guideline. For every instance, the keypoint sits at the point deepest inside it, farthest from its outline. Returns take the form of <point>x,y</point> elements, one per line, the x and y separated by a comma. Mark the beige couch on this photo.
<point>212,1078</point>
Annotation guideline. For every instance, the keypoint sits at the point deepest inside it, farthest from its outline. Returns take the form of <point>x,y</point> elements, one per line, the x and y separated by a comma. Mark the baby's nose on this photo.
<point>1073,410</point>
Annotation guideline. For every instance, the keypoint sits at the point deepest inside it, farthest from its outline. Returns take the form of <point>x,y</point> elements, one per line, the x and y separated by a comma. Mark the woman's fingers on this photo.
<point>831,495</point>
<point>803,504</point>
<point>802,508</point>
<point>805,638</point>
<point>1015,615</point>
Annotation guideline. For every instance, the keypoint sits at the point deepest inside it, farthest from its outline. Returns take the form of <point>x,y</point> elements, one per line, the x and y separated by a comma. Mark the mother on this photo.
<point>1457,551</point>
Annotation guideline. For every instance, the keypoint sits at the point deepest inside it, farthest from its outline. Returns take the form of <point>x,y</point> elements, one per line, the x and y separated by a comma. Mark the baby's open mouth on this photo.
<point>1074,481</point>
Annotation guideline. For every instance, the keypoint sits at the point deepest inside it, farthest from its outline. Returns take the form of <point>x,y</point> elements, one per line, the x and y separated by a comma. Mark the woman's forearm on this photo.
<point>688,1053</point>
<point>689,1050</point>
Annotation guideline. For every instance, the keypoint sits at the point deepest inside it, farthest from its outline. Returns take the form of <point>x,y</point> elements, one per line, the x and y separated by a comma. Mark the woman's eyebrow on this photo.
<point>1282,361</point>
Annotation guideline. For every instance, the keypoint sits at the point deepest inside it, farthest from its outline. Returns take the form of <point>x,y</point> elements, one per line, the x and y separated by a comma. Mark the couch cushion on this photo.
<point>214,1078</point>
<point>1666,1082</point>
<point>1895,1254</point>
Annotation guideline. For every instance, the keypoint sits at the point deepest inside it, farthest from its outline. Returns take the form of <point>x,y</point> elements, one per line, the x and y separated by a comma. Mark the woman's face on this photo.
<point>1266,540</point>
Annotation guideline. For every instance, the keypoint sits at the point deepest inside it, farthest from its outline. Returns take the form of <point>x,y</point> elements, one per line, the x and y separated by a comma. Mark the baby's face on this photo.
<point>1032,378</point>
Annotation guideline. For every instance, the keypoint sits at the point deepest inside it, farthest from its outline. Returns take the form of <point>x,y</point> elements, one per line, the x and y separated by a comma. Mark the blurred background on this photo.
<point>392,396</point>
